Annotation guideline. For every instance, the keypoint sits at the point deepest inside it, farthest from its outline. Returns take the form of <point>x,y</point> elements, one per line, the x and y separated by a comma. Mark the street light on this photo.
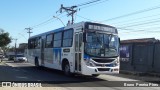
<point>59,20</point>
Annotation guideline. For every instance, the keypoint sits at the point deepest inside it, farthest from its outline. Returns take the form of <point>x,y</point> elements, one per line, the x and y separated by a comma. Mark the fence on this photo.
<point>140,57</point>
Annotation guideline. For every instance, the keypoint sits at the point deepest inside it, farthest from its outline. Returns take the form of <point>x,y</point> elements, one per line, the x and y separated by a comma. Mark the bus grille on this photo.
<point>104,60</point>
<point>103,69</point>
<point>103,65</point>
<point>99,65</point>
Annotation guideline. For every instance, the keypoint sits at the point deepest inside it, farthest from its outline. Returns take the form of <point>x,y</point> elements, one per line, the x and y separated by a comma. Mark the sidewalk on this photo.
<point>141,76</point>
<point>152,74</point>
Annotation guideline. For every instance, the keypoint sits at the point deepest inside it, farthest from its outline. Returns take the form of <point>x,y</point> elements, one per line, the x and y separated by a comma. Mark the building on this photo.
<point>143,40</point>
<point>23,45</point>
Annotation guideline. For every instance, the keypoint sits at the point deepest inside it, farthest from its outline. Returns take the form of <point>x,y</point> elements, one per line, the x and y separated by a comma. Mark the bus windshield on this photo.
<point>102,44</point>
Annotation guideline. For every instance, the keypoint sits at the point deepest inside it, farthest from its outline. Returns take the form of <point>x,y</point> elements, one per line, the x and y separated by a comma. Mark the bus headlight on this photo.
<point>88,62</point>
<point>115,63</point>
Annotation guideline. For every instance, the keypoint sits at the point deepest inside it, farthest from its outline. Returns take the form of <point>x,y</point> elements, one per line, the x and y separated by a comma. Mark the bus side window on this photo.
<point>80,41</point>
<point>67,38</point>
<point>31,44</point>
<point>37,42</point>
<point>49,41</point>
<point>57,39</point>
<point>76,42</point>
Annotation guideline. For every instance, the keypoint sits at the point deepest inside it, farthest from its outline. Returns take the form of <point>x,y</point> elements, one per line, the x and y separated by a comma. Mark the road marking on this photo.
<point>115,78</point>
<point>19,64</point>
<point>9,64</point>
<point>22,77</point>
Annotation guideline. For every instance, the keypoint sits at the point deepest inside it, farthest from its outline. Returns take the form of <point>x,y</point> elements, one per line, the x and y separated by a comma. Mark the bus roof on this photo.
<point>55,30</point>
<point>71,26</point>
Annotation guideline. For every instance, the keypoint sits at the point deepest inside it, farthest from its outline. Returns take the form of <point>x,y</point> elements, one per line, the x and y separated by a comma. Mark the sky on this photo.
<point>133,18</point>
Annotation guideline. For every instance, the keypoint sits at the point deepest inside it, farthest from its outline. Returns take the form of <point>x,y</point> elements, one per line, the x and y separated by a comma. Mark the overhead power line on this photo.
<point>139,22</point>
<point>85,18</point>
<point>70,10</point>
<point>140,18</point>
<point>133,13</point>
<point>79,5</point>
<point>73,9</point>
<point>136,30</point>
<point>35,26</point>
<point>142,23</point>
<point>94,4</point>
<point>29,31</point>
<point>46,22</point>
<point>65,8</point>
<point>86,3</point>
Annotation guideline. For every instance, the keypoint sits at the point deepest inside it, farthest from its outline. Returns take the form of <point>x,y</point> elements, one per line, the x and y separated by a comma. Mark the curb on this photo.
<point>153,74</point>
<point>133,73</point>
<point>3,63</point>
<point>140,73</point>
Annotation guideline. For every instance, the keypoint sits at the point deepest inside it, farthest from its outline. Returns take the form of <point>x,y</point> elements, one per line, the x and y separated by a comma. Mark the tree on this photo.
<point>5,49</point>
<point>5,39</point>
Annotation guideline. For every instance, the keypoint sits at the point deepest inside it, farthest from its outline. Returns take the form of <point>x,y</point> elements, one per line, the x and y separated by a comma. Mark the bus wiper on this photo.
<point>99,41</point>
<point>113,47</point>
<point>110,38</point>
<point>106,44</point>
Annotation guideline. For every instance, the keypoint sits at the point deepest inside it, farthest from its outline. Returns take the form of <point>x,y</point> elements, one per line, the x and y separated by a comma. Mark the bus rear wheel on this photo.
<point>36,62</point>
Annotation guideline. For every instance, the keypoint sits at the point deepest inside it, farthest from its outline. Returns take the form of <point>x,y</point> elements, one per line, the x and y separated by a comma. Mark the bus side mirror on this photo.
<point>84,37</point>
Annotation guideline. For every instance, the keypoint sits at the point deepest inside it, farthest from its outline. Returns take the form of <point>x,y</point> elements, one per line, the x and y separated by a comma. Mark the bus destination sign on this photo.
<point>102,27</point>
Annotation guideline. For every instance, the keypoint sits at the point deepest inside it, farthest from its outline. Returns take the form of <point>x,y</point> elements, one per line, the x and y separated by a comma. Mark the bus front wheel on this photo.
<point>67,69</point>
<point>95,75</point>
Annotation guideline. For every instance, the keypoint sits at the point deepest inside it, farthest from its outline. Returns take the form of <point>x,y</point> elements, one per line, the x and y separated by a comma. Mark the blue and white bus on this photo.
<point>85,48</point>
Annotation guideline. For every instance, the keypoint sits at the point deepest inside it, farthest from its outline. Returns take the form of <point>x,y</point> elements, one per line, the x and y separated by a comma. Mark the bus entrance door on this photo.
<point>42,51</point>
<point>78,51</point>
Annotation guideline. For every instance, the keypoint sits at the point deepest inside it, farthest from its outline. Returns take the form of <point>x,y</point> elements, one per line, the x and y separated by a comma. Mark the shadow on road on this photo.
<point>49,77</point>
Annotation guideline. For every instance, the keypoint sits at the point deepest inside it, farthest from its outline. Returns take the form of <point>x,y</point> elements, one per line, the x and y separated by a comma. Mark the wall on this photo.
<point>142,57</point>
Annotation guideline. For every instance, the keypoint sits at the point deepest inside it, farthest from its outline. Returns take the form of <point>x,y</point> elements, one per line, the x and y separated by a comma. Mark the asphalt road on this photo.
<point>10,71</point>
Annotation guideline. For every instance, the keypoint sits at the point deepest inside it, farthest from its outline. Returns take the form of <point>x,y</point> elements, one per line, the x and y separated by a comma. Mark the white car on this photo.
<point>20,58</point>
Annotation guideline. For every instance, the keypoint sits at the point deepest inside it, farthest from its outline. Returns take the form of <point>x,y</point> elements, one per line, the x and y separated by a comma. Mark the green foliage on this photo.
<point>5,48</point>
<point>4,38</point>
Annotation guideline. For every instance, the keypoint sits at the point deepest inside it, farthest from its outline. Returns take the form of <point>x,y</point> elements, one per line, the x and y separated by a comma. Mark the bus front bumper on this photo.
<point>87,70</point>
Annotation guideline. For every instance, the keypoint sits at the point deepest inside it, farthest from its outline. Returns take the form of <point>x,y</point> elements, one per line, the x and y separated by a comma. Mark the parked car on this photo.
<point>11,57</point>
<point>20,58</point>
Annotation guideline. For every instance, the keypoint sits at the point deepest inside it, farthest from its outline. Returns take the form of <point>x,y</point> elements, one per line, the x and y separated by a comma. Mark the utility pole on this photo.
<point>15,47</point>
<point>29,31</point>
<point>70,10</point>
